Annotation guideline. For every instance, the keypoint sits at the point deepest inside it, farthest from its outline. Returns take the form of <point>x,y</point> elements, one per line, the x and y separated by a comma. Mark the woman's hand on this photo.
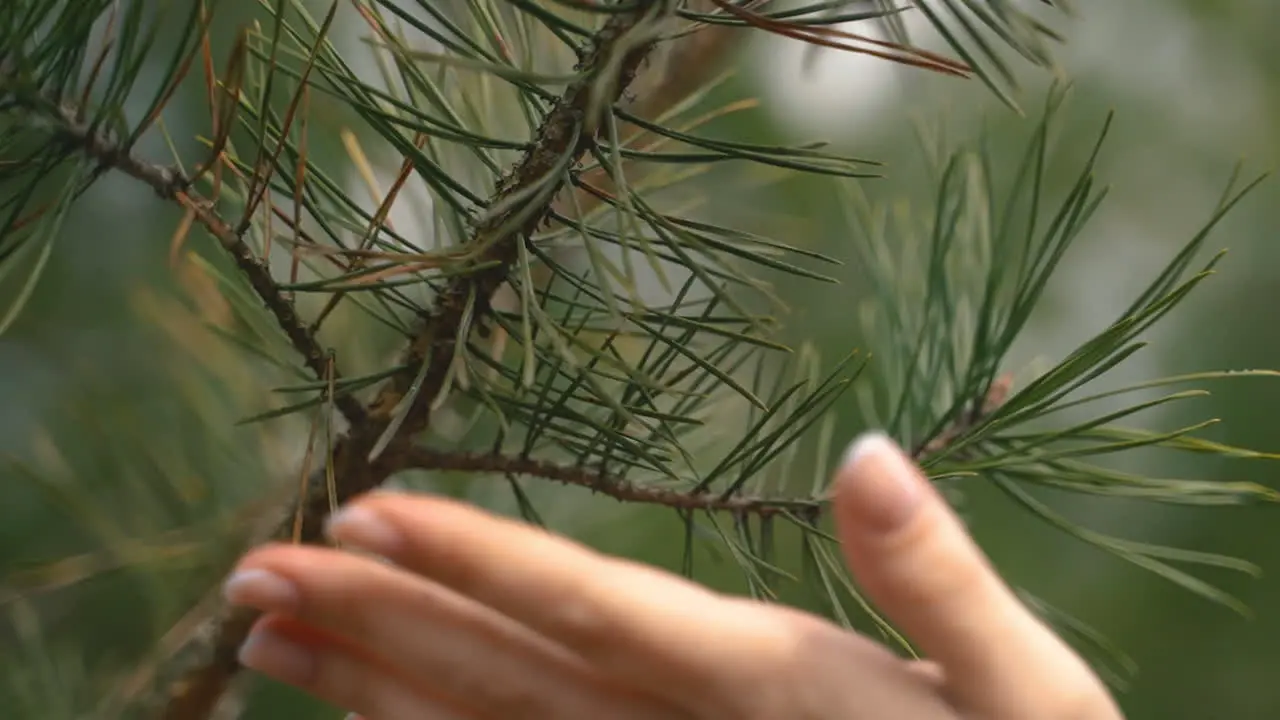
<point>479,617</point>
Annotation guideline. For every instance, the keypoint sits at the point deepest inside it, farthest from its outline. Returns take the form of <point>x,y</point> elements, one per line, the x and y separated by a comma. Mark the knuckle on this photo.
<point>592,608</point>
<point>779,675</point>
<point>579,614</point>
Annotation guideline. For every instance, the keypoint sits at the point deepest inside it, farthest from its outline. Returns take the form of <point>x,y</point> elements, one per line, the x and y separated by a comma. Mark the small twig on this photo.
<point>170,184</point>
<point>617,488</point>
<point>995,397</point>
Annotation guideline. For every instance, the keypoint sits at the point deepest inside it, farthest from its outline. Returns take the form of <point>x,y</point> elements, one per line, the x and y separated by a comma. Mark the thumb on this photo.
<point>913,558</point>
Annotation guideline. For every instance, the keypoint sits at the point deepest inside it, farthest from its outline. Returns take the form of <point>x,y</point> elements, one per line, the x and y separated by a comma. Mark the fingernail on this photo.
<point>262,589</point>
<point>881,486</point>
<point>278,656</point>
<point>362,528</point>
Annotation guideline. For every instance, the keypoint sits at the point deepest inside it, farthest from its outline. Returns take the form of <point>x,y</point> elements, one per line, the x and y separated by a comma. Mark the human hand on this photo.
<point>481,617</point>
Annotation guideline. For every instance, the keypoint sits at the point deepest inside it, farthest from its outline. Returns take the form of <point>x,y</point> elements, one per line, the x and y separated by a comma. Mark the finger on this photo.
<point>441,642</point>
<point>630,621</point>
<point>337,673</point>
<point>915,560</point>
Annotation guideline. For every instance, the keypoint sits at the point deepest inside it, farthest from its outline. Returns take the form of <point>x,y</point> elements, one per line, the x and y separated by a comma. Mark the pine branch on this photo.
<point>617,488</point>
<point>170,184</point>
<point>379,445</point>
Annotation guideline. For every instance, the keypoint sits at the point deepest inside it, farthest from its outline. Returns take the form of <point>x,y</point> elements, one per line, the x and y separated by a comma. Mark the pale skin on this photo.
<point>465,615</point>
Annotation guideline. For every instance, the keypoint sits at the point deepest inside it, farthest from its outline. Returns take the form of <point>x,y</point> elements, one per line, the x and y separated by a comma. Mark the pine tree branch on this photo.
<point>207,663</point>
<point>617,488</point>
<point>170,184</point>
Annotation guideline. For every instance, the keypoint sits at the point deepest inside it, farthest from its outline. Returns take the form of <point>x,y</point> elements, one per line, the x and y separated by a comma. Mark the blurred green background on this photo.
<point>124,411</point>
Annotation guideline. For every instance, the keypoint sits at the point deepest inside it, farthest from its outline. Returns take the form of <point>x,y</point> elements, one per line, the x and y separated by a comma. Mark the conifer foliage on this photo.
<point>562,312</point>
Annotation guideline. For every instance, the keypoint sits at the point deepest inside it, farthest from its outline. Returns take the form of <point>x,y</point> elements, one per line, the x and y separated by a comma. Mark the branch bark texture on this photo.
<point>616,488</point>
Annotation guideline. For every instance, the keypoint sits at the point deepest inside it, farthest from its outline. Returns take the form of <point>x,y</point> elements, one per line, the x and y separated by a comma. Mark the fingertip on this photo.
<point>268,554</point>
<point>397,504</point>
<point>362,526</point>
<point>376,499</point>
<point>867,444</point>
<point>878,488</point>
